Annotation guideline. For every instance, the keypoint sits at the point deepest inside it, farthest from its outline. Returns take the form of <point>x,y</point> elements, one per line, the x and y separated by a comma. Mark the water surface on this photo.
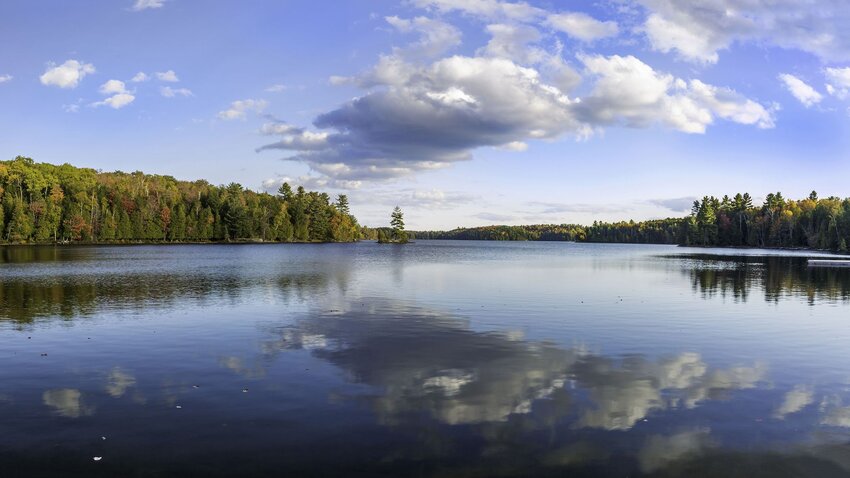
<point>438,358</point>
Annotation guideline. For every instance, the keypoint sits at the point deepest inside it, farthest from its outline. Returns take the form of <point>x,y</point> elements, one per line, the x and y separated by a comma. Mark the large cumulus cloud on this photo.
<point>419,111</point>
<point>415,117</point>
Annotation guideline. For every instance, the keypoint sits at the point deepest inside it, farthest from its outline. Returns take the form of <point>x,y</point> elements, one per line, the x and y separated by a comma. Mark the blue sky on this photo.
<point>463,112</point>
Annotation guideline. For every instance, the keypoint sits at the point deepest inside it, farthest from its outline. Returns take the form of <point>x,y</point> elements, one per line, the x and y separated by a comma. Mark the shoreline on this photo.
<point>261,242</point>
<point>166,243</point>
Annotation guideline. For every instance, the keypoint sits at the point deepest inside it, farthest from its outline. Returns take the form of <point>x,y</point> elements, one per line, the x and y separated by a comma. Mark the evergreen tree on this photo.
<point>285,192</point>
<point>397,223</point>
<point>342,204</point>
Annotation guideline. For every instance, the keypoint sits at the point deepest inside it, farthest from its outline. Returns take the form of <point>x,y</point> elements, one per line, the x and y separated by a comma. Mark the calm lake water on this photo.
<point>439,358</point>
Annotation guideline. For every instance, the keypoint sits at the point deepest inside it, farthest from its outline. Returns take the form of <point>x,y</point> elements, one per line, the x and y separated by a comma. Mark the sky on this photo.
<point>462,112</point>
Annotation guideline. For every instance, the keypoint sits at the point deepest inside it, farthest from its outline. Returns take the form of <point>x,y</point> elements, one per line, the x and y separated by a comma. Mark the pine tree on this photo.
<point>397,222</point>
<point>285,192</point>
<point>342,204</point>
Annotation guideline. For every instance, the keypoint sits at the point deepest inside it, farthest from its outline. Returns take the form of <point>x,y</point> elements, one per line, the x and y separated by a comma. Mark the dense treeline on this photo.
<point>663,231</point>
<point>536,232</point>
<point>810,223</point>
<point>47,203</point>
<point>728,222</point>
<point>656,231</point>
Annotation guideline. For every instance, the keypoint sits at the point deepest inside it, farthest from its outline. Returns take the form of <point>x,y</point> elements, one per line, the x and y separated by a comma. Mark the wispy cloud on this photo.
<point>489,216</point>
<point>277,88</point>
<point>140,5</point>
<point>170,92</point>
<point>800,90</point>
<point>682,204</point>
<point>564,208</point>
<point>239,109</point>
<point>168,76</point>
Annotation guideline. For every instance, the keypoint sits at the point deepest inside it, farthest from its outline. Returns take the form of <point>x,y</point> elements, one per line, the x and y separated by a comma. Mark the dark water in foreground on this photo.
<point>434,359</point>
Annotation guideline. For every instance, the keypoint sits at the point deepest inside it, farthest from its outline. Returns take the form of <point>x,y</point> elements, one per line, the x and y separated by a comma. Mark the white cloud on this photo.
<point>681,204</point>
<point>431,199</point>
<point>489,216</point>
<point>276,88</point>
<point>71,108</point>
<point>630,91</point>
<point>170,92</point>
<point>140,77</point>
<point>691,41</point>
<point>427,117</point>
<point>544,209</point>
<point>5,78</point>
<point>487,9</point>
<point>419,114</point>
<point>169,76</point>
<point>116,101</point>
<point>239,109</point>
<point>147,4</point>
<point>582,26</point>
<point>517,146</point>
<point>112,87</point>
<point>66,75</point>
<point>520,43</point>
<point>800,90</point>
<point>120,96</point>
<point>698,29</point>
<point>838,81</point>
<point>295,138</point>
<point>337,80</point>
<point>513,42</point>
<point>435,37</point>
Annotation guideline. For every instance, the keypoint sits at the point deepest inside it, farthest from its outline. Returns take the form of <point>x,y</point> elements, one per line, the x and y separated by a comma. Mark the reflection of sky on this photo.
<point>609,350</point>
<point>433,363</point>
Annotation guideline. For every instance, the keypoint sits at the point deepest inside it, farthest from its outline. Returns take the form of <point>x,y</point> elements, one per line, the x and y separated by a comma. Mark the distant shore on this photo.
<point>261,242</point>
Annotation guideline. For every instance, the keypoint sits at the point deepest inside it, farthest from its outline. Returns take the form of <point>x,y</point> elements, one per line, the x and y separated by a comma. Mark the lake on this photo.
<point>438,358</point>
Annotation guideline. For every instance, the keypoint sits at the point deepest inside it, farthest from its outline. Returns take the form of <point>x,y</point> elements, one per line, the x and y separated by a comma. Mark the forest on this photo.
<point>44,203</point>
<point>812,223</point>
<point>537,232</point>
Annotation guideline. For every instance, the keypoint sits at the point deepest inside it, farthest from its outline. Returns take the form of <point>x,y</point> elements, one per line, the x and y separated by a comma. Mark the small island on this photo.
<point>396,234</point>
